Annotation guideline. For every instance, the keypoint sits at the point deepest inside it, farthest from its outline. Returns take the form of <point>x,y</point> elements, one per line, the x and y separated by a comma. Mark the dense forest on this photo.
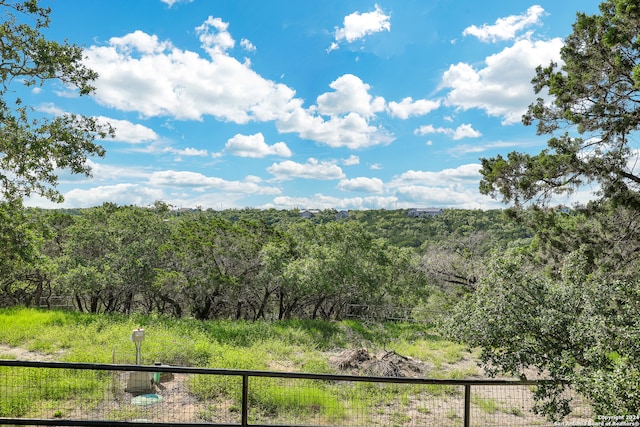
<point>250,263</point>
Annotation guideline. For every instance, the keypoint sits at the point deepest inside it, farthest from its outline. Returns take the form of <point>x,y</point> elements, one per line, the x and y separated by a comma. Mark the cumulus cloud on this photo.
<point>453,187</point>
<point>214,36</point>
<point>312,169</point>
<point>359,25</point>
<point>195,180</point>
<point>322,201</point>
<point>255,146</point>
<point>351,96</point>
<point>141,73</point>
<point>408,107</point>
<point>350,109</point>
<point>362,184</point>
<point>107,172</point>
<point>464,174</point>
<point>502,88</point>
<point>351,131</point>
<point>126,131</point>
<point>506,28</point>
<point>351,160</point>
<point>121,194</point>
<point>462,131</point>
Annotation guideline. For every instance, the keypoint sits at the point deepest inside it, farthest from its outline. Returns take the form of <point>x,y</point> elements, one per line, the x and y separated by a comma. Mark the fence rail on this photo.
<point>90,394</point>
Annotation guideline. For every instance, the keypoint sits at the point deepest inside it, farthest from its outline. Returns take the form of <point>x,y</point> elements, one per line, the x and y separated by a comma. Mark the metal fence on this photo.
<point>87,394</point>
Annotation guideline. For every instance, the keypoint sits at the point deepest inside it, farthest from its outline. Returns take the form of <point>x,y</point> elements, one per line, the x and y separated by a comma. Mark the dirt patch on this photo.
<point>19,353</point>
<point>383,364</point>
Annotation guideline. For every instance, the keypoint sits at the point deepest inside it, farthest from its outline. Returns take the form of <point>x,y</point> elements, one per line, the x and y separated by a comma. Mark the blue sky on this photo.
<point>346,104</point>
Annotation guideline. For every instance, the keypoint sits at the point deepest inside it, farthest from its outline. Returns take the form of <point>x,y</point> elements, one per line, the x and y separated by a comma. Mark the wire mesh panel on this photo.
<point>72,393</point>
<point>512,406</point>
<point>291,401</point>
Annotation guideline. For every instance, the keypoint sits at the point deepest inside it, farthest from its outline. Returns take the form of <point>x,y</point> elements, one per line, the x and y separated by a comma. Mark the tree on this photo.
<point>595,103</point>
<point>23,268</point>
<point>570,306</point>
<point>33,149</point>
<point>578,330</point>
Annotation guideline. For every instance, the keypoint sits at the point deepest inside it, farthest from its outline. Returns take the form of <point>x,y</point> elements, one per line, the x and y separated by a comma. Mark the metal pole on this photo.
<point>467,405</point>
<point>245,400</point>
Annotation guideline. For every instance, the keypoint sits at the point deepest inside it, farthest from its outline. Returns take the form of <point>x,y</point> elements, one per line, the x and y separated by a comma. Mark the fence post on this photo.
<point>245,400</point>
<point>467,405</point>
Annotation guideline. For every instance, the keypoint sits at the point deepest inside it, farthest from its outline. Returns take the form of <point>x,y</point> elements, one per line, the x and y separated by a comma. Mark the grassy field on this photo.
<point>298,345</point>
<point>292,346</point>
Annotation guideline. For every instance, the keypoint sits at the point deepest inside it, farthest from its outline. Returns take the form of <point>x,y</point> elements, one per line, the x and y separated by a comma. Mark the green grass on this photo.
<point>294,345</point>
<point>488,406</point>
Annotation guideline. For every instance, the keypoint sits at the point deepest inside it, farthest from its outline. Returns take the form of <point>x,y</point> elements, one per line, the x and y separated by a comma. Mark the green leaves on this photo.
<point>575,329</point>
<point>595,92</point>
<point>33,149</point>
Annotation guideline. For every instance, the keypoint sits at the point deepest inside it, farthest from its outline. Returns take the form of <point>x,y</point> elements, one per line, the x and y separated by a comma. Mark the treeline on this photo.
<point>244,264</point>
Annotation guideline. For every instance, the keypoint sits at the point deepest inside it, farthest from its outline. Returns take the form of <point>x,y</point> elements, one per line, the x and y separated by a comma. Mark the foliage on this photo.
<point>33,149</point>
<point>568,304</point>
<point>595,95</point>
<point>577,330</point>
<point>247,264</point>
<point>295,345</point>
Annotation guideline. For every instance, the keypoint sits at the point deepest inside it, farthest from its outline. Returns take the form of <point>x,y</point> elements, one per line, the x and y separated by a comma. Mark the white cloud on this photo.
<point>462,131</point>
<point>465,131</point>
<point>126,131</point>
<point>121,194</point>
<point>454,187</point>
<point>198,181</point>
<point>461,198</point>
<point>359,25</point>
<point>408,107</point>
<point>312,169</point>
<point>350,109</point>
<point>464,174</point>
<point>351,131</point>
<point>50,108</point>
<point>503,87</point>
<point>351,160</point>
<point>172,2</point>
<point>466,149</point>
<point>429,129</point>
<point>506,28</point>
<point>351,96</point>
<point>363,184</point>
<point>102,172</point>
<point>140,73</point>
<point>214,36</point>
<point>255,146</point>
<point>247,45</point>
<point>187,152</point>
<point>321,201</point>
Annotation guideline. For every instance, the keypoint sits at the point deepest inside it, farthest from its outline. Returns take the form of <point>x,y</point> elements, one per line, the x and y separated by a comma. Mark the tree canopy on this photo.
<point>592,116</point>
<point>33,148</point>
<point>568,304</point>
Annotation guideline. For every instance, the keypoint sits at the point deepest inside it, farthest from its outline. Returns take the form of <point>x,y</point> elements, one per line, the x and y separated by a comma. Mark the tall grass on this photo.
<point>295,345</point>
